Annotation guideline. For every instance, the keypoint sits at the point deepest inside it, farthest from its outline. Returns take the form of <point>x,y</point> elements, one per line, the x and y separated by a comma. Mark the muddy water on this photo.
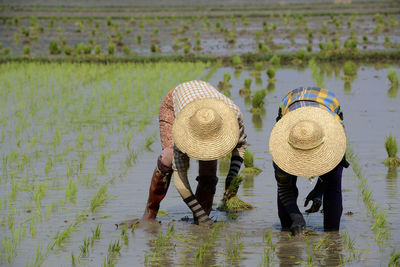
<point>370,114</point>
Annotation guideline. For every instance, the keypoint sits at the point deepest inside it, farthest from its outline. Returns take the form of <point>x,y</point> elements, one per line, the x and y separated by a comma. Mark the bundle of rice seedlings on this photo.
<point>391,149</point>
<point>234,203</point>
<point>248,160</point>
<point>258,101</point>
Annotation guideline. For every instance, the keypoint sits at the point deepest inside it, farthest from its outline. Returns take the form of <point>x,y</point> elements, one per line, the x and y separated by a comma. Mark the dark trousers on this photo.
<point>332,197</point>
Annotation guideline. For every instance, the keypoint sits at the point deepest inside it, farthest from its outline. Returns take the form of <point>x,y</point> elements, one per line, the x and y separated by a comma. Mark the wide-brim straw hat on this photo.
<point>206,129</point>
<point>307,142</point>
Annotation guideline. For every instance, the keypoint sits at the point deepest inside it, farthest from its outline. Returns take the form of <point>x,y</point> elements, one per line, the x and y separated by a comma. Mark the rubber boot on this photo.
<point>205,192</point>
<point>158,189</point>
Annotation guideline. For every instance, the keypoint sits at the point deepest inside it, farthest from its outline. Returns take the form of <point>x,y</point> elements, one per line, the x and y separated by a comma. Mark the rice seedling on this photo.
<point>349,246</point>
<point>237,62</point>
<point>85,247</point>
<point>394,259</point>
<point>209,241</point>
<point>99,198</point>
<point>258,102</point>
<point>96,232</point>
<point>271,75</point>
<point>101,167</point>
<point>61,236</point>
<point>149,141</point>
<point>225,85</point>
<point>234,203</point>
<point>391,149</point>
<point>349,71</point>
<point>234,248</point>
<point>393,78</point>
<point>249,168</point>
<point>275,60</point>
<point>246,91</point>
<point>70,191</point>
<point>27,50</point>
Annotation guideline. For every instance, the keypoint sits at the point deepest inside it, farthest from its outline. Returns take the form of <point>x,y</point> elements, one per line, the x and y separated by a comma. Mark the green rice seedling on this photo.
<point>234,203</point>
<point>258,66</point>
<point>349,71</point>
<point>237,62</point>
<point>111,49</point>
<point>275,60</point>
<point>248,161</point>
<point>114,248</point>
<point>149,141</point>
<point>209,241</point>
<point>126,50</point>
<point>61,237</point>
<point>70,191</point>
<point>99,198</point>
<point>225,85</point>
<point>258,101</point>
<point>124,234</point>
<point>27,50</point>
<point>96,232</point>
<point>301,55</point>
<point>246,91</point>
<point>197,47</point>
<point>391,149</point>
<point>101,161</point>
<point>393,78</point>
<point>85,247</point>
<point>271,75</point>
<point>394,260</point>
<point>234,248</point>
<point>153,48</point>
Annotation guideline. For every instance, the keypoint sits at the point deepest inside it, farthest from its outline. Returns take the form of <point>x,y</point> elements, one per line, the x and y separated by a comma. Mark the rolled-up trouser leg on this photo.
<point>286,197</point>
<point>332,199</point>
<point>207,181</point>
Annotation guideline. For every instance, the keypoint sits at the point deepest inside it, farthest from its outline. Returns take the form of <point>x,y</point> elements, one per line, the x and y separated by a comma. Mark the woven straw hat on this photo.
<point>206,129</point>
<point>307,142</point>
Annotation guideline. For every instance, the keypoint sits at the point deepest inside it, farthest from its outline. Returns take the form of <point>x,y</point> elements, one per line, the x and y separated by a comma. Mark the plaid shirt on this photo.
<point>311,96</point>
<point>188,92</point>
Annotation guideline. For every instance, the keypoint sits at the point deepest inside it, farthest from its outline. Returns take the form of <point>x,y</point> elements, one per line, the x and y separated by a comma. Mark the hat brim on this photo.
<point>312,162</point>
<point>212,147</point>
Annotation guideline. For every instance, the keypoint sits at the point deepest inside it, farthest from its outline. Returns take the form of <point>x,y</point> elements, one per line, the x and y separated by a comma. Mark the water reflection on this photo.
<point>310,250</point>
<point>271,87</point>
<point>247,100</point>
<point>237,73</point>
<point>391,182</point>
<point>248,184</point>
<point>392,92</point>
<point>288,252</point>
<point>347,87</point>
<point>257,122</point>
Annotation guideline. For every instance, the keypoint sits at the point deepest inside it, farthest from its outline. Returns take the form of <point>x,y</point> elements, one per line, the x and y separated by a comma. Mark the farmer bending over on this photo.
<point>199,122</point>
<point>309,140</point>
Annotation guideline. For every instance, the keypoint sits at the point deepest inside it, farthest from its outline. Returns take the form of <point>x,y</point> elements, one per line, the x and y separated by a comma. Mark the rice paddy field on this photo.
<point>79,139</point>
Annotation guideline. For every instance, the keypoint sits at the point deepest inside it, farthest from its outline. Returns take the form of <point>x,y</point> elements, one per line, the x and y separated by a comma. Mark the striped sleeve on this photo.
<point>237,153</point>
<point>180,166</point>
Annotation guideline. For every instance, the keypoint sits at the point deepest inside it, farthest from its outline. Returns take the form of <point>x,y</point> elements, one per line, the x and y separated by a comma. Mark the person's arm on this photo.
<point>236,158</point>
<point>180,166</point>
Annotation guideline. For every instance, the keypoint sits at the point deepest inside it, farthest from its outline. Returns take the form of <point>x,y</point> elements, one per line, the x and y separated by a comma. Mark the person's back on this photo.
<point>309,140</point>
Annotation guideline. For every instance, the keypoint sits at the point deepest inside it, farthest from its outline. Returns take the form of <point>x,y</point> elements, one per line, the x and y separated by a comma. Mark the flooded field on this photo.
<point>79,143</point>
<point>53,31</point>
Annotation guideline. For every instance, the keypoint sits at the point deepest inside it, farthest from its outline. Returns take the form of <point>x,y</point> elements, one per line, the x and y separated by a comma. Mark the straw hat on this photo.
<point>206,129</point>
<point>307,142</point>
